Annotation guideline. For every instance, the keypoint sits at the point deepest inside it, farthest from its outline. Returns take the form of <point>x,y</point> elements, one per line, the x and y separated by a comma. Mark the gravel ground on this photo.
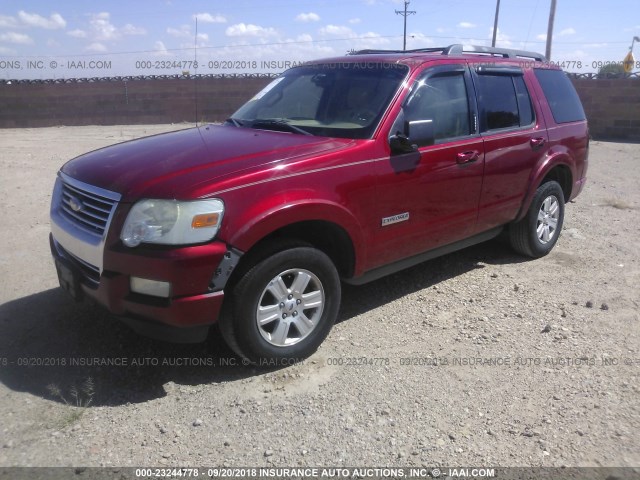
<point>478,358</point>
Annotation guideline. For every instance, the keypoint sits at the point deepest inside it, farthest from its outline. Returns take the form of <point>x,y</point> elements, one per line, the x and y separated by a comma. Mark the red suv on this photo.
<point>344,169</point>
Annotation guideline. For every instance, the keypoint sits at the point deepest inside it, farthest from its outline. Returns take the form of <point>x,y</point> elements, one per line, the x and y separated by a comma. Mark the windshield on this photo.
<point>345,100</point>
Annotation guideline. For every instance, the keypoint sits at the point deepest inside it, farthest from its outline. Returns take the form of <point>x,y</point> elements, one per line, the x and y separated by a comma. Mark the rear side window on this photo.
<point>504,102</point>
<point>562,97</point>
<point>524,102</point>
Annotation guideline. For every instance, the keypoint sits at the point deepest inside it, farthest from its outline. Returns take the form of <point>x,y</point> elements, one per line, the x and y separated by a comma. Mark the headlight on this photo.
<point>172,222</point>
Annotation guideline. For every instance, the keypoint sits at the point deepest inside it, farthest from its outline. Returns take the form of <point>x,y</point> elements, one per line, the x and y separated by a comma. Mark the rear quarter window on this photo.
<point>561,96</point>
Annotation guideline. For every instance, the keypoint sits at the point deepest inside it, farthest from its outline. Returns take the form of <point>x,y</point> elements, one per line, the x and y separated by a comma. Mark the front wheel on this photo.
<point>284,307</point>
<point>537,233</point>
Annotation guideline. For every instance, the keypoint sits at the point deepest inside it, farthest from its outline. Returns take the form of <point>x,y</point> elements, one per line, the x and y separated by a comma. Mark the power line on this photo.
<point>405,14</point>
<point>212,47</point>
<point>456,39</point>
<point>535,9</point>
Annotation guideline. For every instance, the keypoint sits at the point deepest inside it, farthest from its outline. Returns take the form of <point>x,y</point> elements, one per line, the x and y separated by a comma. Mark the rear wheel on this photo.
<point>283,307</point>
<point>537,233</point>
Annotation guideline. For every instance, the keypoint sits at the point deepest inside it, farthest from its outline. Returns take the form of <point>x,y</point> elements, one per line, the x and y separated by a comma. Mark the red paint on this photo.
<point>269,180</point>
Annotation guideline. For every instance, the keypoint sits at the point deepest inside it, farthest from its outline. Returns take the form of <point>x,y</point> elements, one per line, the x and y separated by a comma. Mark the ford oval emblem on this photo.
<point>75,204</point>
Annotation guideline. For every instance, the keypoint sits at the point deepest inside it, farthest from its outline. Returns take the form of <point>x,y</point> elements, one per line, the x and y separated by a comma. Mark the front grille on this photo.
<point>88,210</point>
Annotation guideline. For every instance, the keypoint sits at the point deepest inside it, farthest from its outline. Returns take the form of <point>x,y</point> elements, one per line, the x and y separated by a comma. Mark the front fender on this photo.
<point>275,212</point>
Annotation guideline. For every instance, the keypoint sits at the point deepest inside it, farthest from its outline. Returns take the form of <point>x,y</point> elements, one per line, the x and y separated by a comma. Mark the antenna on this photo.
<point>195,66</point>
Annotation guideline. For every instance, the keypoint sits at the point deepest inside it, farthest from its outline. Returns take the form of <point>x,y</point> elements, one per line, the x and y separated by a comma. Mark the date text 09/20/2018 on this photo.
<point>217,64</point>
<point>313,472</point>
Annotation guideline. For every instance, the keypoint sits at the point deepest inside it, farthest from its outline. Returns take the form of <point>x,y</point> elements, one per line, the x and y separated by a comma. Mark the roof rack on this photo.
<point>459,49</point>
<point>417,50</point>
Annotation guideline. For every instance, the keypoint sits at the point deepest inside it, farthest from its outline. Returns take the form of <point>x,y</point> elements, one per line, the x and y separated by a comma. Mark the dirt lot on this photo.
<point>512,362</point>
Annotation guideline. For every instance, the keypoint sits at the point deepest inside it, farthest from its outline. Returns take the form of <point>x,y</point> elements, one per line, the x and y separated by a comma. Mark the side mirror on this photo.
<point>399,143</point>
<point>421,132</point>
<point>418,133</point>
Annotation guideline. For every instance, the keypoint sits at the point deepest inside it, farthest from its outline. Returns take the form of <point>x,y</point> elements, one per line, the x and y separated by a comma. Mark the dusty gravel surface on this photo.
<point>513,362</point>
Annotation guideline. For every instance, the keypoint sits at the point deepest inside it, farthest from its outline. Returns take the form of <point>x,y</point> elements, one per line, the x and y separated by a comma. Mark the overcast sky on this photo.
<point>71,39</point>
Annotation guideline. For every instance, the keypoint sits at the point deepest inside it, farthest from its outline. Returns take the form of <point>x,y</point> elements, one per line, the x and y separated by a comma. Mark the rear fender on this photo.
<point>557,156</point>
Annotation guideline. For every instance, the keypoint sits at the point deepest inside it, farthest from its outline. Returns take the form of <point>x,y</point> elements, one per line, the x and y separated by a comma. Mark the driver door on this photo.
<point>429,198</point>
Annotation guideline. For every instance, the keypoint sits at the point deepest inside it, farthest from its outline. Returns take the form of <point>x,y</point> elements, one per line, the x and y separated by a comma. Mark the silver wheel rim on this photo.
<point>290,307</point>
<point>548,217</point>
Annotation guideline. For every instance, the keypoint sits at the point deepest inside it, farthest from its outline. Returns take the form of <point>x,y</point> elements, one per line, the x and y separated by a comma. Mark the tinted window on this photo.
<point>562,97</point>
<point>524,102</point>
<point>504,101</point>
<point>442,99</point>
<point>498,102</point>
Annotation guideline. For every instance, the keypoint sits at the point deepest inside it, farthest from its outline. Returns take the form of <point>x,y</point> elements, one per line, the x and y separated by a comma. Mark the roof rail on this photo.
<point>459,49</point>
<point>417,50</point>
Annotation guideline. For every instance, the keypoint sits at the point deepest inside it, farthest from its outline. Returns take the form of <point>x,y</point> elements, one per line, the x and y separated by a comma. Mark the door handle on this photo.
<point>467,157</point>
<point>537,142</point>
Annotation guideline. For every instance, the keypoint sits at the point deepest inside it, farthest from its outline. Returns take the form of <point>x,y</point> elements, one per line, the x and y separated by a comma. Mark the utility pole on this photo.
<point>552,16</point>
<point>495,24</point>
<point>405,13</point>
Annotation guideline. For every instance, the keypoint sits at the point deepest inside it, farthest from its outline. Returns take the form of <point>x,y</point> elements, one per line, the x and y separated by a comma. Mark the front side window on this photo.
<point>442,99</point>
<point>344,100</point>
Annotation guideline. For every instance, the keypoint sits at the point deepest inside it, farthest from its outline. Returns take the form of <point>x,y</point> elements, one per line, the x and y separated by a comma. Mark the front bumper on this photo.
<point>193,306</point>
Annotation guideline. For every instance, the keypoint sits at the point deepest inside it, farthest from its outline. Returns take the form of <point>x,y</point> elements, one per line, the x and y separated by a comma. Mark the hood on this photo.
<point>170,165</point>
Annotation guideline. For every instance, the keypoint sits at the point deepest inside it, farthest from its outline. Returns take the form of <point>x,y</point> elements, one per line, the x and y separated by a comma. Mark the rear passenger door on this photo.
<point>515,138</point>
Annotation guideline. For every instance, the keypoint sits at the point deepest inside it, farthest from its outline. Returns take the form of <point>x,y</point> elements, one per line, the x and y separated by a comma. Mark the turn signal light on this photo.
<point>205,220</point>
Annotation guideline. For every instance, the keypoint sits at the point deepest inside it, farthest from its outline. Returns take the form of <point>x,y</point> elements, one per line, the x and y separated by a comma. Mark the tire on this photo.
<point>537,233</point>
<point>283,308</point>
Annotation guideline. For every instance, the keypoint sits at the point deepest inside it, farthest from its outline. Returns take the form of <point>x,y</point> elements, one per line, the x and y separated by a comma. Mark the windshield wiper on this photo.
<point>234,121</point>
<point>277,122</point>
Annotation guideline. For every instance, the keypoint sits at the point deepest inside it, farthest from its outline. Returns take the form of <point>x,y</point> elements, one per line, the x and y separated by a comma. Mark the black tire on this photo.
<point>524,236</point>
<point>262,345</point>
